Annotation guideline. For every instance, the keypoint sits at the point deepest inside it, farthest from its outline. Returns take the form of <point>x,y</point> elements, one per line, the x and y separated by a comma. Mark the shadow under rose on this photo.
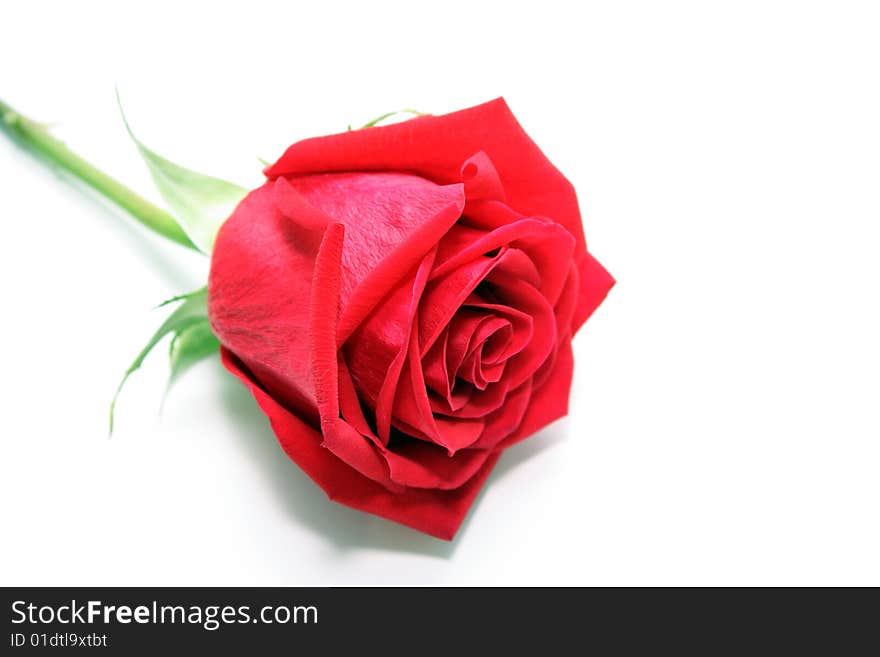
<point>346,528</point>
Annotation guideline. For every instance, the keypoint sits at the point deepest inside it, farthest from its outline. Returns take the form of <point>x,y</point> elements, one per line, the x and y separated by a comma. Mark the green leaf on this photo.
<point>388,115</point>
<point>189,346</point>
<point>200,203</point>
<point>188,325</point>
<point>181,297</point>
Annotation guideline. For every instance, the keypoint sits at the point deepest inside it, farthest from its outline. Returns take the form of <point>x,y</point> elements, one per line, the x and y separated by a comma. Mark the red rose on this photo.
<point>401,301</point>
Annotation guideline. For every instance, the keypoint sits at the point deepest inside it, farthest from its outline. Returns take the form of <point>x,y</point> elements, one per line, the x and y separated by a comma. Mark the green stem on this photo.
<point>36,138</point>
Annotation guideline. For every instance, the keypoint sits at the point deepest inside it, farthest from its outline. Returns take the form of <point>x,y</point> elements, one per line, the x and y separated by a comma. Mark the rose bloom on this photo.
<point>401,301</point>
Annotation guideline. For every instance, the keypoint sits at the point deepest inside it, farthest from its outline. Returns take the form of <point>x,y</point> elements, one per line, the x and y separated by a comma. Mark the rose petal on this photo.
<point>445,295</point>
<point>528,300</point>
<point>350,405</point>
<point>436,512</point>
<point>462,330</point>
<point>434,366</point>
<point>595,284</point>
<point>521,334</point>
<point>549,402</point>
<point>420,464</point>
<point>392,221</point>
<point>568,299</point>
<point>479,405</point>
<point>385,401</point>
<point>472,369</point>
<point>338,435</point>
<point>480,178</point>
<point>323,313</point>
<point>295,207</point>
<point>506,418</point>
<point>258,291</point>
<point>412,408</point>
<point>545,242</point>
<point>436,147</point>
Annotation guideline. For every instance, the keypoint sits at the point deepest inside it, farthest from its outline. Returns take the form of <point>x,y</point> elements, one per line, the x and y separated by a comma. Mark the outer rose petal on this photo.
<point>550,401</point>
<point>437,146</point>
<point>258,291</point>
<point>596,283</point>
<point>435,512</point>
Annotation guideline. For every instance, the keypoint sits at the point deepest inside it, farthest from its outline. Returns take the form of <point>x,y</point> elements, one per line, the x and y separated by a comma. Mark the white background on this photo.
<point>724,425</point>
